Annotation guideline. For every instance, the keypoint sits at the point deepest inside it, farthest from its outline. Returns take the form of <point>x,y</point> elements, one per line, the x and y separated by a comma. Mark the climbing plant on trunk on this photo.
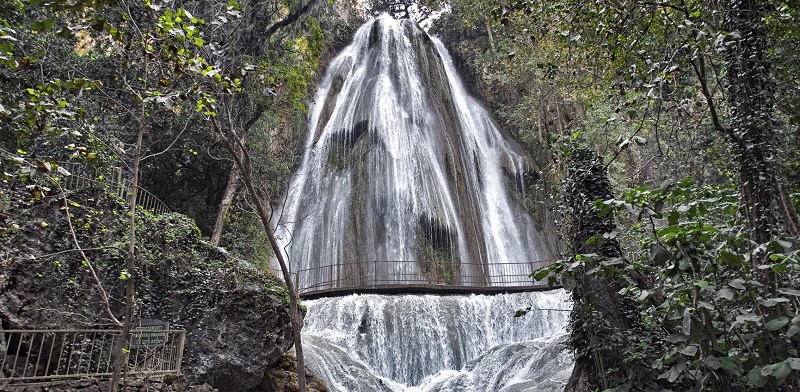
<point>604,323</point>
<point>753,127</point>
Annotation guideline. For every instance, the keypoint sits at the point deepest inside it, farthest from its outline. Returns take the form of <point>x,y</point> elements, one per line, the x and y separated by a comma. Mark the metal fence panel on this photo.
<point>62,354</point>
<point>81,178</point>
<point>383,274</point>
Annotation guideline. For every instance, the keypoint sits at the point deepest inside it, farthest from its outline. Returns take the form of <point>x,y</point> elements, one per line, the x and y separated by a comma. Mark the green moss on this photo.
<point>439,255</point>
<point>339,158</point>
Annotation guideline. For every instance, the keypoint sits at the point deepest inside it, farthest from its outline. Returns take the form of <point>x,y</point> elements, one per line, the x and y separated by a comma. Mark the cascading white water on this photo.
<point>438,343</point>
<point>402,165</point>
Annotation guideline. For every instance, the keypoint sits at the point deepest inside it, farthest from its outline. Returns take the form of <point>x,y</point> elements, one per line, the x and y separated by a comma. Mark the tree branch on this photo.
<point>291,18</point>
<point>103,293</point>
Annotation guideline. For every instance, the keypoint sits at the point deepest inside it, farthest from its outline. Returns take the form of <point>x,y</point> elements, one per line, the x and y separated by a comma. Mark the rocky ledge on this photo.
<point>236,315</point>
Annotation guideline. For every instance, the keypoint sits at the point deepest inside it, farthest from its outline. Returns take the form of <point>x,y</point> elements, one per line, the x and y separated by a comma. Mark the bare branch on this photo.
<point>103,294</point>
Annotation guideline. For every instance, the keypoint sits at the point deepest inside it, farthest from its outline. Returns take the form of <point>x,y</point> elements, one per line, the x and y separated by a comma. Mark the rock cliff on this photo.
<point>236,315</point>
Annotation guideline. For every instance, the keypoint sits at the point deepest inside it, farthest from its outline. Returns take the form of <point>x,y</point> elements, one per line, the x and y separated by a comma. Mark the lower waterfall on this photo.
<point>439,343</point>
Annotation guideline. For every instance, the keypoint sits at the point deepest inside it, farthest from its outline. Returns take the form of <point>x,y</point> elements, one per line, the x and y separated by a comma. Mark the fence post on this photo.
<point>179,361</point>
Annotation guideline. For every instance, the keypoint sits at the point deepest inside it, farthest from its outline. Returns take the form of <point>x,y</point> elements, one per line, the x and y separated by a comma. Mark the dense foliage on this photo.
<point>663,91</point>
<point>165,94</point>
<point>180,274</point>
<point>691,108</point>
<point>79,78</point>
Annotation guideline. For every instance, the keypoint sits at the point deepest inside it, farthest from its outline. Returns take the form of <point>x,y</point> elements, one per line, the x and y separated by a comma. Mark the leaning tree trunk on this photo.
<point>753,129</point>
<point>241,158</point>
<point>225,204</point>
<point>601,318</point>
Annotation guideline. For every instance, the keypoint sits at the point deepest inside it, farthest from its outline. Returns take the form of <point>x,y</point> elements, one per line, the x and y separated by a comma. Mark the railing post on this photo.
<point>179,360</point>
<point>118,184</point>
<point>374,272</point>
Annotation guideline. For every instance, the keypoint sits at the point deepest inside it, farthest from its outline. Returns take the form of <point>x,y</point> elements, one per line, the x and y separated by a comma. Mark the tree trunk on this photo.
<point>601,318</point>
<point>225,204</point>
<point>121,365</point>
<point>753,128</point>
<point>242,161</point>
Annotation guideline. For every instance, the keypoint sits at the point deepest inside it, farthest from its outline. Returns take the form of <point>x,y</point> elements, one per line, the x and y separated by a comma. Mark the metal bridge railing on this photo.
<point>40,355</point>
<point>382,274</point>
<point>119,183</point>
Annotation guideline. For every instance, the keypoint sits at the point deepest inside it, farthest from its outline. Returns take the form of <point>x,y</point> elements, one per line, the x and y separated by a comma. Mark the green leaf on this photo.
<point>794,363</point>
<point>731,258</point>
<point>674,372</point>
<point>689,350</point>
<point>755,378</point>
<point>792,292</point>
<point>725,293</point>
<point>713,362</point>
<point>777,323</point>
<point>612,262</point>
<point>42,25</point>
<point>730,364</point>
<point>541,273</point>
<point>748,317</point>
<point>737,283</point>
<point>781,370</point>
<point>673,218</point>
<point>676,338</point>
<point>702,284</point>
<point>769,302</point>
<point>568,282</point>
<point>783,243</point>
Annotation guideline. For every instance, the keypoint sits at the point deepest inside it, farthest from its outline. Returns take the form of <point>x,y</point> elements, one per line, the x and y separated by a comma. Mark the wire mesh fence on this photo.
<point>39,355</point>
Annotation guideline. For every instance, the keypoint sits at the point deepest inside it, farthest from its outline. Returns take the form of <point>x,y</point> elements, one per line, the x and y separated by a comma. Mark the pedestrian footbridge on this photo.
<point>418,277</point>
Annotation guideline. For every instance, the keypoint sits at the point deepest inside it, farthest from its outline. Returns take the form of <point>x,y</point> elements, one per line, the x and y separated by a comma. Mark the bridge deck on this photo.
<point>434,289</point>
<point>418,277</point>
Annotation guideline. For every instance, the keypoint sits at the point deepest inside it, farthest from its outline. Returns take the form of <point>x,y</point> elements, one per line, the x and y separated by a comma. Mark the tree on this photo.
<point>419,10</point>
<point>167,63</point>
<point>753,127</point>
<point>219,92</point>
<point>673,72</point>
<point>605,322</point>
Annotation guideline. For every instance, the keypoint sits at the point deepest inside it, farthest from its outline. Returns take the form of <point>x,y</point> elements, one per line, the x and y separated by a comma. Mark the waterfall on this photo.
<point>438,343</point>
<point>404,176</point>
<point>401,164</point>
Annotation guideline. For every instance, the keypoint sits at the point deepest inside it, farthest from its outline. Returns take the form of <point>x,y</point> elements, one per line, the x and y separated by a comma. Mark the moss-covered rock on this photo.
<point>236,315</point>
<point>283,378</point>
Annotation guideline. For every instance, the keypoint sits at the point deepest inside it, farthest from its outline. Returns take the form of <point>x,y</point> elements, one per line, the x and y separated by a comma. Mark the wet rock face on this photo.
<point>235,315</point>
<point>233,345</point>
<point>283,378</point>
<point>396,143</point>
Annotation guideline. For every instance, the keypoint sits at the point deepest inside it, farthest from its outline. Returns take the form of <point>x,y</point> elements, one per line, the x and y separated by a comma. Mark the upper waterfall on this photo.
<point>401,164</point>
